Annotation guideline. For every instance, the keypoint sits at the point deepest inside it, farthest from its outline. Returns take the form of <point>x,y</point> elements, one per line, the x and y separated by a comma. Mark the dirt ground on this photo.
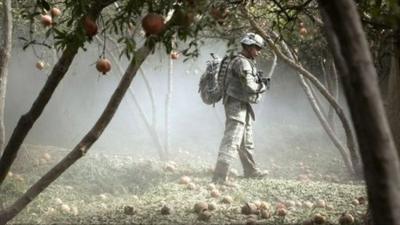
<point>120,189</point>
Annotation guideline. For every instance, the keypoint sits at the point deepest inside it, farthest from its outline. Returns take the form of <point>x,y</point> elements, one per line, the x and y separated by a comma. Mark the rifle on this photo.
<point>264,79</point>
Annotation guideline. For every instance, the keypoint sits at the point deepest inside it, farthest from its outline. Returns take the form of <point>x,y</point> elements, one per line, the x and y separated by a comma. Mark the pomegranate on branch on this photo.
<point>153,24</point>
<point>90,26</point>
<point>40,65</point>
<point>219,13</point>
<point>103,65</point>
<point>46,20</point>
<point>54,12</point>
<point>174,55</point>
<point>302,30</point>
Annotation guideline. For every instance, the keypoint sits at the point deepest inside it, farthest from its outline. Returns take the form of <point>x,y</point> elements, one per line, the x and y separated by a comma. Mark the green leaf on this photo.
<point>45,4</point>
<point>22,38</point>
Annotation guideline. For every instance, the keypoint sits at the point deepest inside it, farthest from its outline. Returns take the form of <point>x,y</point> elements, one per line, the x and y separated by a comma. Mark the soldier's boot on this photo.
<point>249,166</point>
<point>220,172</point>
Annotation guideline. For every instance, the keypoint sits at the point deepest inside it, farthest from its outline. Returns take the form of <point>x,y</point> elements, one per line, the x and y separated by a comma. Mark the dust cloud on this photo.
<point>285,125</point>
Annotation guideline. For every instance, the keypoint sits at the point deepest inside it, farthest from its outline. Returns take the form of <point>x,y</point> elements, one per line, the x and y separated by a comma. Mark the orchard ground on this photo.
<point>103,188</point>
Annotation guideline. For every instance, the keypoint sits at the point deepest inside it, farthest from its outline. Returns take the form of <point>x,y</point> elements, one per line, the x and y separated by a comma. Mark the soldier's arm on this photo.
<point>250,82</point>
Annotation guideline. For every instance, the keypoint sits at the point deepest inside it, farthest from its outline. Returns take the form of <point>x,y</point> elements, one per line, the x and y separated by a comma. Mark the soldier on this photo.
<point>243,87</point>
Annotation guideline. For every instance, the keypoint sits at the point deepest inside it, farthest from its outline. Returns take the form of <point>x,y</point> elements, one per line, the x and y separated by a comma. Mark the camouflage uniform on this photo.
<point>243,87</point>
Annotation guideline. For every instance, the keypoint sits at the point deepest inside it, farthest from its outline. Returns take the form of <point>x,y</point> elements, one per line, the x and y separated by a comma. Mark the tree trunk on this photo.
<point>26,121</point>
<point>393,92</point>
<point>150,128</point>
<point>325,124</point>
<point>84,145</point>
<point>378,152</point>
<point>5,52</point>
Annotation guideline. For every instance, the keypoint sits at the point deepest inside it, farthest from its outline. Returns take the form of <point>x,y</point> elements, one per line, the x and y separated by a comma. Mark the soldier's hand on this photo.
<point>266,81</point>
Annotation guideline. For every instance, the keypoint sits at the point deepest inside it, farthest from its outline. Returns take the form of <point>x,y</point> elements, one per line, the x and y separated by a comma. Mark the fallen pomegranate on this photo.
<point>282,212</point>
<point>346,219</point>
<point>185,180</point>
<point>200,207</point>
<point>319,219</point>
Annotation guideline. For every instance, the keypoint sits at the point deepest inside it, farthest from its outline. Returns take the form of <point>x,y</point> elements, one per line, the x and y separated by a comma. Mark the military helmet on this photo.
<point>252,39</point>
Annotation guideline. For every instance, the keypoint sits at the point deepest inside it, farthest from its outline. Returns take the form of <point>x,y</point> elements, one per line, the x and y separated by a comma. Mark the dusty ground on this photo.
<point>117,189</point>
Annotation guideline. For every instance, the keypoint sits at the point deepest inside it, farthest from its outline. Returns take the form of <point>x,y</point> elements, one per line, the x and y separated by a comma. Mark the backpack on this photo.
<point>213,81</point>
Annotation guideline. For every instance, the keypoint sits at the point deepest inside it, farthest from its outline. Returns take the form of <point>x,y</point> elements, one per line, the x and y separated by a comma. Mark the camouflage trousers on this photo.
<point>238,135</point>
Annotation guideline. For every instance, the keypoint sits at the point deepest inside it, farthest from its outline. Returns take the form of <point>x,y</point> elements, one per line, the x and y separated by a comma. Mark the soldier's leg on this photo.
<point>246,152</point>
<point>235,112</point>
<point>230,143</point>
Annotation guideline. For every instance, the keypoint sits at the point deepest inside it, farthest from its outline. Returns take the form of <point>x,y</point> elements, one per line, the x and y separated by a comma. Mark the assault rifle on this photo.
<point>265,80</point>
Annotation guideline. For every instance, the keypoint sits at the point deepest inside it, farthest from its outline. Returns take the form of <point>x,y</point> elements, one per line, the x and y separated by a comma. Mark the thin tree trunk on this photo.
<point>150,128</point>
<point>5,54</point>
<point>145,80</point>
<point>393,92</point>
<point>153,102</point>
<point>325,124</point>
<point>273,66</point>
<point>381,164</point>
<point>329,83</point>
<point>335,92</point>
<point>317,109</point>
<point>269,75</point>
<point>84,145</point>
<point>345,123</point>
<point>26,121</point>
<point>168,106</point>
<point>336,81</point>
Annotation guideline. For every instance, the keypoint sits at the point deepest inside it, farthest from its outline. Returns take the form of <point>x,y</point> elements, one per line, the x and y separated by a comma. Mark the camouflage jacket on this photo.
<point>242,81</point>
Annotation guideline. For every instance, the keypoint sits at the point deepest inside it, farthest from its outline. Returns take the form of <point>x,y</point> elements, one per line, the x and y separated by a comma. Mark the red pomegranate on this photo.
<point>303,31</point>
<point>103,65</point>
<point>174,55</point>
<point>40,65</point>
<point>46,20</point>
<point>153,23</point>
<point>219,13</point>
<point>90,26</point>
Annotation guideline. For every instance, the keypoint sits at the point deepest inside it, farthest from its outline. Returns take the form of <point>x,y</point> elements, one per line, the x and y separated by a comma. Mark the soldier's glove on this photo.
<point>266,81</point>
